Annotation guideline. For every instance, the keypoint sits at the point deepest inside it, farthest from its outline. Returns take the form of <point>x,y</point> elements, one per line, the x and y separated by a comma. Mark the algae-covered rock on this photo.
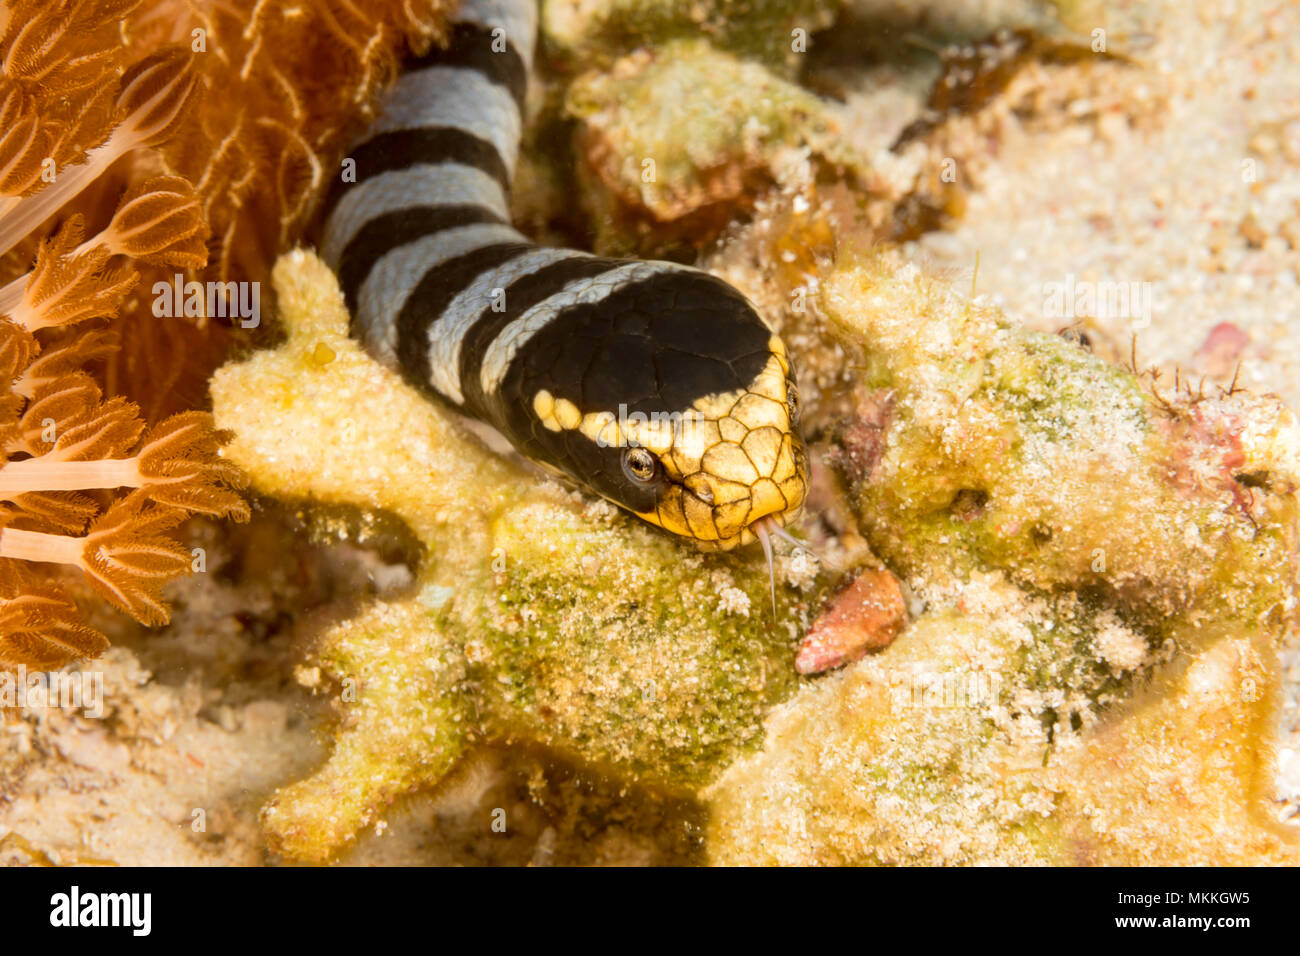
<point>676,141</point>
<point>905,757</point>
<point>994,447</point>
<point>593,32</point>
<point>670,122</point>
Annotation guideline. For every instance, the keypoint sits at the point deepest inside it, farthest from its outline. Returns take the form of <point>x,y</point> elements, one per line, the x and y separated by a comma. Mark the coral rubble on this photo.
<point>676,141</point>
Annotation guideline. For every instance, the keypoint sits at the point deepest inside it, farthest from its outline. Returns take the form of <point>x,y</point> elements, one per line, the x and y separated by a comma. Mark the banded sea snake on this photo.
<point>652,384</point>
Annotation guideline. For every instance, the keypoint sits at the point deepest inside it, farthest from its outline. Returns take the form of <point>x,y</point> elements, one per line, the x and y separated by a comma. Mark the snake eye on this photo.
<point>792,402</point>
<point>640,465</point>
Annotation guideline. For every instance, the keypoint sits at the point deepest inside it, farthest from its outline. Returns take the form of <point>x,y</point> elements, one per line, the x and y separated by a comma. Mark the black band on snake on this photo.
<point>653,384</point>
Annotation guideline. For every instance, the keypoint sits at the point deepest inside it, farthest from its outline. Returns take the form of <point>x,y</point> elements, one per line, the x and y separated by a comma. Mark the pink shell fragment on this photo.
<point>865,616</point>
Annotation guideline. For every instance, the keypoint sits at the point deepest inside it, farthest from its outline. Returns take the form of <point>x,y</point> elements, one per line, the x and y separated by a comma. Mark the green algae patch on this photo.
<point>595,32</point>
<point>610,657</point>
<point>537,616</point>
<point>1005,449</point>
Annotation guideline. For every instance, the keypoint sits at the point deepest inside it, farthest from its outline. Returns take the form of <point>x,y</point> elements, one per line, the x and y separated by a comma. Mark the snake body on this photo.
<point>653,384</point>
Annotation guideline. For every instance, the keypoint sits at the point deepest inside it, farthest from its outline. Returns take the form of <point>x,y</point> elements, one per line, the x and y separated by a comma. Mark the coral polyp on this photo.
<point>85,481</point>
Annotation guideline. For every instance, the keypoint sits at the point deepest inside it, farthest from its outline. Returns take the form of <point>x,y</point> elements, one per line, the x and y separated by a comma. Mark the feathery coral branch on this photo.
<point>69,286</point>
<point>153,100</point>
<point>82,84</point>
<point>70,106</point>
<point>41,627</point>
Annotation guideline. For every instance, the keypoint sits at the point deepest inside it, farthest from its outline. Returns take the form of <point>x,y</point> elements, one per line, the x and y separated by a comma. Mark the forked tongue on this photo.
<point>762,530</point>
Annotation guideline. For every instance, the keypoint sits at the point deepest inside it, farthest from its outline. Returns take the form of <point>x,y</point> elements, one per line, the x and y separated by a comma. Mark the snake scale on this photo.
<point>652,384</point>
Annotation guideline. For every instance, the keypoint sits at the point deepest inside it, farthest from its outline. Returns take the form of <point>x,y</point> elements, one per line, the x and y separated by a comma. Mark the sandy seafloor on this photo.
<point>213,713</point>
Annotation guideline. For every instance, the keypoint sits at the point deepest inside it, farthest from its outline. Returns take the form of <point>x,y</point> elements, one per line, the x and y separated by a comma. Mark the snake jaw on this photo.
<point>721,514</point>
<point>783,511</point>
<point>720,524</point>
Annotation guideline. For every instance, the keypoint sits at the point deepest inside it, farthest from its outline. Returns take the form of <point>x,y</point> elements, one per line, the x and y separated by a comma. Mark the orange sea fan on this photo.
<point>83,481</point>
<point>284,87</point>
<point>160,222</point>
<point>136,138</point>
<point>152,100</point>
<point>67,285</point>
<point>84,443</point>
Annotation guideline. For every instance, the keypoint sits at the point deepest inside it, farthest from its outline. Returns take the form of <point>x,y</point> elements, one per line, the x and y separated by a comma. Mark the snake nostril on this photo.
<point>701,487</point>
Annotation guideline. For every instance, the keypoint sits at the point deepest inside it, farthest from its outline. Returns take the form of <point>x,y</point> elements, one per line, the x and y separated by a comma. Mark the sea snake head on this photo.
<point>673,399</point>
